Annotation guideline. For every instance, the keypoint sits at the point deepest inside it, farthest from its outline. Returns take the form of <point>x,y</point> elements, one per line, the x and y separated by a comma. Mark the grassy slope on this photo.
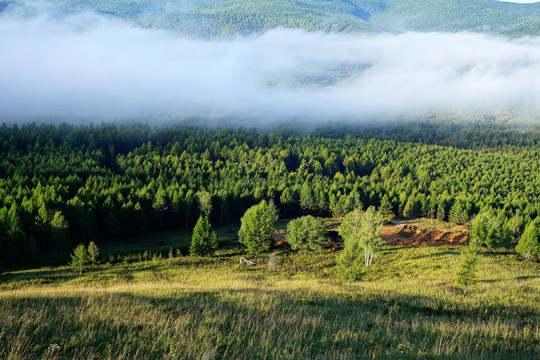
<point>406,307</point>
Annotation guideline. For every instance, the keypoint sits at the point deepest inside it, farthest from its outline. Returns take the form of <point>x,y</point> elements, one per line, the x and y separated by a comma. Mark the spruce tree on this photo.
<point>203,240</point>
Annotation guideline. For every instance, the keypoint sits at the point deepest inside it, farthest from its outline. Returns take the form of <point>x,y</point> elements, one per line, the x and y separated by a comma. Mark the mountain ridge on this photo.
<point>218,18</point>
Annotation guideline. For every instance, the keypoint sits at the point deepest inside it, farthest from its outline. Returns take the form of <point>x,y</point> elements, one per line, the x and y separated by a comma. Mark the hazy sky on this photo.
<point>89,65</point>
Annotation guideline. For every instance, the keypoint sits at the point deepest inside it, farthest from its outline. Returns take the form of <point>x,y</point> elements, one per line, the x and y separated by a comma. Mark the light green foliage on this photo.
<point>257,228</point>
<point>205,203</point>
<point>487,229</point>
<point>93,252</point>
<point>350,263</point>
<point>351,226</point>
<point>441,211</point>
<point>385,209</point>
<point>154,187</point>
<point>59,234</point>
<point>468,268</point>
<point>308,202</point>
<point>203,240</point>
<point>80,258</point>
<point>362,234</point>
<point>529,243</point>
<point>306,233</point>
<point>458,213</point>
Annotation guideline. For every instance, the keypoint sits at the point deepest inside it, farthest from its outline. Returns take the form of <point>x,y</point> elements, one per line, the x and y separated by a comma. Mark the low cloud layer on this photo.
<point>87,65</point>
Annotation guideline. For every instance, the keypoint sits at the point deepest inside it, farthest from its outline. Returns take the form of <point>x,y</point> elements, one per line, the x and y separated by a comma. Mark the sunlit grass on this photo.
<point>406,306</point>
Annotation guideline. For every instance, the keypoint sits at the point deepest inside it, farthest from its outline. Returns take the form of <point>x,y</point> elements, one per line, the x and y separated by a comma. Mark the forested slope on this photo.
<point>68,184</point>
<point>210,18</point>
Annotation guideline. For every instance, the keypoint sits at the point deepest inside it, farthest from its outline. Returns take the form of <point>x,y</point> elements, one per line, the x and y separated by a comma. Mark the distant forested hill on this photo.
<point>210,18</point>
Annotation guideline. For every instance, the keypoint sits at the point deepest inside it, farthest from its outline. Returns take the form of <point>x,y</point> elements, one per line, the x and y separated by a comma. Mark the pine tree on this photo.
<point>467,270</point>
<point>257,228</point>
<point>486,229</point>
<point>458,214</point>
<point>385,209</point>
<point>529,243</point>
<point>203,240</point>
<point>20,245</point>
<point>93,252</point>
<point>59,235</point>
<point>349,263</point>
<point>306,233</point>
<point>441,211</point>
<point>80,258</point>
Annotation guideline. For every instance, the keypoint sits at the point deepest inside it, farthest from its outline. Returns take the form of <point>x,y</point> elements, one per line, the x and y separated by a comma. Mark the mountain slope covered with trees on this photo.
<point>211,18</point>
<point>63,185</point>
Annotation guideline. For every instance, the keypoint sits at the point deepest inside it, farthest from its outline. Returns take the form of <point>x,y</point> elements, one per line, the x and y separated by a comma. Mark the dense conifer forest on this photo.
<point>69,184</point>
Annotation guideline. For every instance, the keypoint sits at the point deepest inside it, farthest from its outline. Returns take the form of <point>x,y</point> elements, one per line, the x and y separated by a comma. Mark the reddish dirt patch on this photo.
<point>280,241</point>
<point>397,233</point>
<point>412,235</point>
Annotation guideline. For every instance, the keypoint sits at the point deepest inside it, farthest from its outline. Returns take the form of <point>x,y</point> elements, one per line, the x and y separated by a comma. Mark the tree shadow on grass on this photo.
<point>436,254</point>
<point>528,277</point>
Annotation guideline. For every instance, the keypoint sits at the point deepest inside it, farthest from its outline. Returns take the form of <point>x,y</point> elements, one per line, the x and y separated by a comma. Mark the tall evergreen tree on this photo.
<point>529,243</point>
<point>59,235</point>
<point>204,239</point>
<point>93,252</point>
<point>306,233</point>
<point>466,275</point>
<point>257,228</point>
<point>80,258</point>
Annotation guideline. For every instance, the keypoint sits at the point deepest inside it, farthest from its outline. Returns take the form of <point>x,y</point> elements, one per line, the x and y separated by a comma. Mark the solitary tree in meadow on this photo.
<point>79,258</point>
<point>361,232</point>
<point>257,228</point>
<point>203,240</point>
<point>469,263</point>
<point>306,233</point>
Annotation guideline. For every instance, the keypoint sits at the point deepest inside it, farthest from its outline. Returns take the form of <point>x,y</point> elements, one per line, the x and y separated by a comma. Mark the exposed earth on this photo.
<point>407,233</point>
<point>412,234</point>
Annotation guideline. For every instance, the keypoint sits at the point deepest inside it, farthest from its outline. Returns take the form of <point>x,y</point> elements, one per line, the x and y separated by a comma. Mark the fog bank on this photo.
<point>88,65</point>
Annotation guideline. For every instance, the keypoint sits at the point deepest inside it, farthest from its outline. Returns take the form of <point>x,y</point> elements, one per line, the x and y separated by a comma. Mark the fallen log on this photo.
<point>249,262</point>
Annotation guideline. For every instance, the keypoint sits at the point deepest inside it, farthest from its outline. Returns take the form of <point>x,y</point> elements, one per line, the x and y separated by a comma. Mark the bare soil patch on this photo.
<point>411,234</point>
<point>418,232</point>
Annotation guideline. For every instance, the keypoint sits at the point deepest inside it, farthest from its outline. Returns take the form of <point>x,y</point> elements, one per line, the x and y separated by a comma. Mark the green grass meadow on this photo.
<point>407,306</point>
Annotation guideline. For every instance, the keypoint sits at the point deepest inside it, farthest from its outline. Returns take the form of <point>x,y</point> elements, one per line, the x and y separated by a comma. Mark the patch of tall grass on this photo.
<point>406,306</point>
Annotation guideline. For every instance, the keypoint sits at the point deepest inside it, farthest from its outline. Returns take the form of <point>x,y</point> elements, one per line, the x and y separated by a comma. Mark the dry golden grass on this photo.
<point>407,306</point>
